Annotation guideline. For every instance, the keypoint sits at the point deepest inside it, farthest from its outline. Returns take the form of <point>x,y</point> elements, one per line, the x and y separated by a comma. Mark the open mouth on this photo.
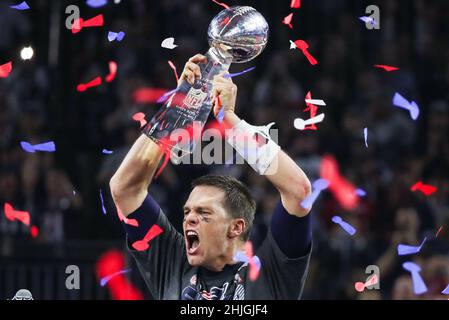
<point>192,241</point>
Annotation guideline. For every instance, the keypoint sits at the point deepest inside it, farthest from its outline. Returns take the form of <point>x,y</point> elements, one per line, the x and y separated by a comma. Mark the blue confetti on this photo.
<point>21,6</point>
<point>102,202</point>
<point>112,36</point>
<point>232,75</point>
<point>96,3</point>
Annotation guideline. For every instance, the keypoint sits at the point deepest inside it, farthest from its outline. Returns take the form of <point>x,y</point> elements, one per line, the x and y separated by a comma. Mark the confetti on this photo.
<point>304,46</point>
<point>106,151</point>
<point>167,155</point>
<point>96,3</point>
<point>445,291</point>
<point>172,65</point>
<point>368,20</point>
<point>44,147</point>
<point>151,95</point>
<point>142,245</point>
<point>108,267</point>
<point>169,43</point>
<point>406,249</point>
<point>94,83</point>
<point>342,190</point>
<point>224,5</point>
<point>292,45</point>
<point>316,102</point>
<point>346,226</point>
<point>232,75</point>
<point>313,111</point>
<point>220,115</point>
<point>12,215</point>
<point>106,279</point>
<point>165,96</point>
<point>21,6</point>
<point>360,286</point>
<point>424,188</point>
<point>386,68</point>
<point>140,116</point>
<point>113,36</point>
<point>288,20</point>
<point>34,231</point>
<point>438,232</point>
<point>102,202</point>
<point>412,107</point>
<point>301,124</point>
<point>318,186</point>
<point>5,69</point>
<point>419,287</point>
<point>295,4</point>
<point>365,134</point>
<point>131,222</point>
<point>79,24</point>
<point>112,71</point>
<point>253,261</point>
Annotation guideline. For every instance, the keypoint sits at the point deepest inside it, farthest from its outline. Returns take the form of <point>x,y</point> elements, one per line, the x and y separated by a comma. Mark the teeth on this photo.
<point>192,233</point>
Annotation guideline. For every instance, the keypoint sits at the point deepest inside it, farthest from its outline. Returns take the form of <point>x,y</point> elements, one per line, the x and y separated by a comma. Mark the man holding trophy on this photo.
<point>201,263</point>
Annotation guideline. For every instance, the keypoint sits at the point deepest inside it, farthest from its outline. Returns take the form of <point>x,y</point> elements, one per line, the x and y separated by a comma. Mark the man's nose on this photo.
<point>192,218</point>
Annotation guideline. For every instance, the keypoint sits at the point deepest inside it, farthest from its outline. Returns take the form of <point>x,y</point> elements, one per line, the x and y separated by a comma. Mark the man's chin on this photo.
<point>194,261</point>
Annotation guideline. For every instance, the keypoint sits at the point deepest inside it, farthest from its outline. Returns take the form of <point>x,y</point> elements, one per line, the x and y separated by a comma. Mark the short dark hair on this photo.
<point>238,201</point>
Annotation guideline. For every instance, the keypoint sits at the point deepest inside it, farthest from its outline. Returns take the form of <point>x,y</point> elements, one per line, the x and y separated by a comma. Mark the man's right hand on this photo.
<point>192,70</point>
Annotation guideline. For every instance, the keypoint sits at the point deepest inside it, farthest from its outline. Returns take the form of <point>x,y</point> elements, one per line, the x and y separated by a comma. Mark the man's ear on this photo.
<point>237,228</point>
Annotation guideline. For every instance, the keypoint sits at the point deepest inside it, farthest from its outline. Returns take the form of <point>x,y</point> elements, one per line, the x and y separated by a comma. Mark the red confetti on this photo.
<point>131,222</point>
<point>313,111</point>
<point>295,4</point>
<point>142,245</point>
<point>112,71</point>
<point>34,231</point>
<point>343,190</point>
<point>79,24</point>
<point>217,105</point>
<point>140,116</point>
<point>167,155</point>
<point>304,46</point>
<point>288,20</point>
<point>224,5</point>
<point>94,83</point>
<point>120,288</point>
<point>225,22</point>
<point>254,269</point>
<point>5,70</point>
<point>12,215</point>
<point>172,65</point>
<point>424,188</point>
<point>386,68</point>
<point>360,286</point>
<point>148,95</point>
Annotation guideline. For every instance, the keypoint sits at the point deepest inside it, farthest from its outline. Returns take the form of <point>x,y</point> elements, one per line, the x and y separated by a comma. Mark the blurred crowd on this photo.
<point>61,190</point>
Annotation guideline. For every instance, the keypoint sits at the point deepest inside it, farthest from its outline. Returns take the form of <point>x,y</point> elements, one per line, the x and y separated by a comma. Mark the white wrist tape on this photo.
<point>254,144</point>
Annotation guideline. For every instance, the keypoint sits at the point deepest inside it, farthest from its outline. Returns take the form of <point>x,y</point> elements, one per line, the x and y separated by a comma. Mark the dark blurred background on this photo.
<point>61,190</point>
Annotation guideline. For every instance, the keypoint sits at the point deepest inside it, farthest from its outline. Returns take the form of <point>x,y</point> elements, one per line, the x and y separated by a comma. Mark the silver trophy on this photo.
<point>236,35</point>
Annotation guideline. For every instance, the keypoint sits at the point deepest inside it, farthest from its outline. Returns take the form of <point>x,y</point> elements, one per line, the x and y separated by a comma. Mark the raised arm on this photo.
<point>129,185</point>
<point>286,176</point>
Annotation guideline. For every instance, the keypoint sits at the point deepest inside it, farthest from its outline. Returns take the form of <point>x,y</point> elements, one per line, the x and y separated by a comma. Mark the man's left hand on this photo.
<point>226,91</point>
